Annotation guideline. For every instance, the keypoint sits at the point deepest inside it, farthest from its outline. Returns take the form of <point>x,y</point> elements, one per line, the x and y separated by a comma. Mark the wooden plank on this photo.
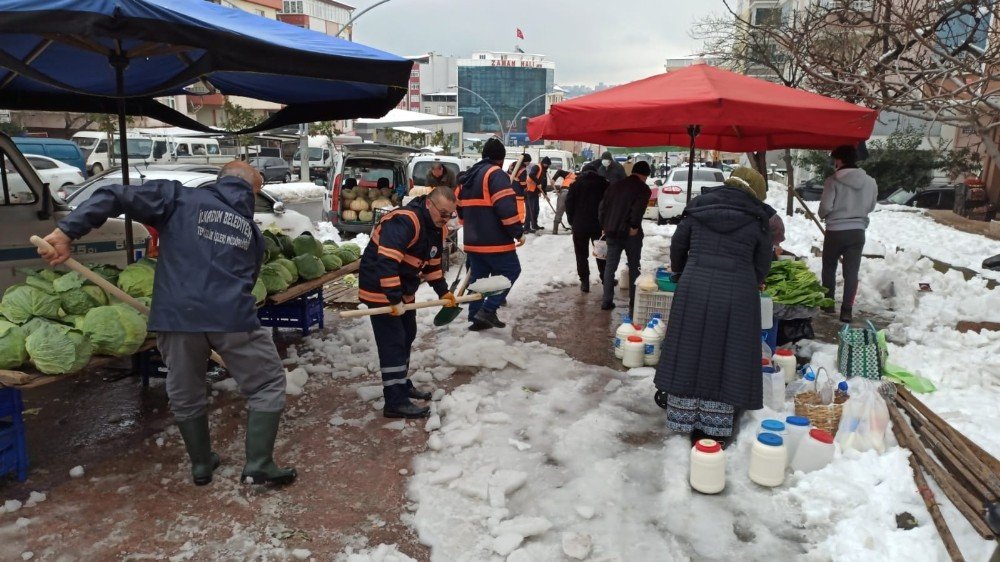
<point>300,289</point>
<point>34,379</point>
<point>14,378</point>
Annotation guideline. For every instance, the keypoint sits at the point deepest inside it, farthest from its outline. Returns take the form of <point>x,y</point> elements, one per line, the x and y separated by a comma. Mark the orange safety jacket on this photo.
<point>487,204</point>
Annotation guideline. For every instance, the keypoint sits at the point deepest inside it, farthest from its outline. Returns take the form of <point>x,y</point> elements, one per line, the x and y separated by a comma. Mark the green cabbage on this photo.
<point>354,248</point>
<point>331,261</point>
<point>271,249</point>
<point>290,268</point>
<point>77,298</point>
<point>284,243</point>
<point>274,278</point>
<point>305,244</point>
<point>346,255</point>
<point>309,266</point>
<point>116,330</point>
<point>21,302</point>
<point>137,279</point>
<point>107,271</point>
<point>57,350</point>
<point>12,352</point>
<point>35,323</point>
<point>327,244</point>
<point>259,291</point>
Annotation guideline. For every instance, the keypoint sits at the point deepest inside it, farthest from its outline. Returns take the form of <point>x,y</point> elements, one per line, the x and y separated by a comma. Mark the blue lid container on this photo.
<point>772,425</point>
<point>800,421</point>
<point>770,439</point>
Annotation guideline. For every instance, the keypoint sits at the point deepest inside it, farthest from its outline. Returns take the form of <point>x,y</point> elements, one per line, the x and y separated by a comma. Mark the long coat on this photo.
<point>722,250</point>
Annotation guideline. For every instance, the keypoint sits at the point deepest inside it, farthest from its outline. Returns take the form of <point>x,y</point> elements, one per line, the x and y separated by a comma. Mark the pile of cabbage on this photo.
<point>57,320</point>
<point>288,260</point>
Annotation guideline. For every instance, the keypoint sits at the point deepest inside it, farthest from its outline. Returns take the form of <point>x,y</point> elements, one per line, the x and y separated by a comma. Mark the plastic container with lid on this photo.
<point>814,452</point>
<point>633,352</point>
<point>708,467</point>
<point>776,427</point>
<point>774,386</point>
<point>785,358</point>
<point>651,343</point>
<point>767,460</point>
<point>622,333</point>
<point>766,312</point>
<point>797,428</point>
<point>661,325</point>
<point>805,384</point>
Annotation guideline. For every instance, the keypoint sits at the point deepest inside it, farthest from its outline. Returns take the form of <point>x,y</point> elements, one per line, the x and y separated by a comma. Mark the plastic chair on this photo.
<point>13,444</point>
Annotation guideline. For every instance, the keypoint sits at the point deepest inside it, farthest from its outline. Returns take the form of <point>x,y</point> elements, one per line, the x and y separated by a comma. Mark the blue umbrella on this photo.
<point>116,56</point>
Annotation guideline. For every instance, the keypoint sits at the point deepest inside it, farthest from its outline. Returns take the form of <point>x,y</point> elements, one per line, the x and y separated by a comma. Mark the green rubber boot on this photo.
<point>198,443</point>
<point>262,429</point>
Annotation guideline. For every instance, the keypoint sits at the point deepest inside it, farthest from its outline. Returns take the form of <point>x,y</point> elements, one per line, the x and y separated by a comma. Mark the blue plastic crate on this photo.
<point>303,312</point>
<point>13,443</point>
<point>770,337</point>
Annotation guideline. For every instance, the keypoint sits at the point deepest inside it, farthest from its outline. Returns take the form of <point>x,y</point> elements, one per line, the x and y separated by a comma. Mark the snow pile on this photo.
<point>326,231</point>
<point>296,192</point>
<point>381,553</point>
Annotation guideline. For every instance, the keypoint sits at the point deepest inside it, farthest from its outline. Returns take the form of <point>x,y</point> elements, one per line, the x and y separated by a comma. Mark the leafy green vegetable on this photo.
<point>259,291</point>
<point>21,302</point>
<point>12,352</point>
<point>309,266</point>
<point>354,248</point>
<point>116,330</point>
<point>274,277</point>
<point>57,350</point>
<point>271,249</point>
<point>791,282</point>
<point>137,278</point>
<point>284,242</point>
<point>331,261</point>
<point>77,298</point>
<point>290,268</point>
<point>306,244</point>
<point>35,323</point>
<point>107,271</point>
<point>346,255</point>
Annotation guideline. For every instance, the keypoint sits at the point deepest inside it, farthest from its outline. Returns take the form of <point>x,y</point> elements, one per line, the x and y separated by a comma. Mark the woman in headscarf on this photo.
<point>710,367</point>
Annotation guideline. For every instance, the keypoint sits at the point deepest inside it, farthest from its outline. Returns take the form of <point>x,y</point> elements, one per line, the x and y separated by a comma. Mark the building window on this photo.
<point>292,7</point>
<point>415,72</point>
<point>260,13</point>
<point>451,110</point>
<point>414,99</point>
<point>440,110</point>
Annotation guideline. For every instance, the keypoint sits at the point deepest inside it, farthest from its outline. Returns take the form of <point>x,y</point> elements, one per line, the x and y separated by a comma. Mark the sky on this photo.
<point>590,41</point>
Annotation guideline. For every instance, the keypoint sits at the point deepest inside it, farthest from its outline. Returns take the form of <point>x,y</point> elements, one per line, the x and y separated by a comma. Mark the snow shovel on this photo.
<point>486,287</point>
<point>107,286</point>
<point>447,314</point>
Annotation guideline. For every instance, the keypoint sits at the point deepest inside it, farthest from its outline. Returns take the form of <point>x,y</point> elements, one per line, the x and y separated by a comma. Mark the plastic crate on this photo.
<point>649,302</point>
<point>303,312</point>
<point>13,444</point>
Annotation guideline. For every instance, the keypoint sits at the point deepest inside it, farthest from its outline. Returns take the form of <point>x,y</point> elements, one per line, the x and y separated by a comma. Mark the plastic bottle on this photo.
<point>825,387</point>
<point>805,384</point>
<point>622,334</point>
<point>633,352</point>
<point>661,325</point>
<point>765,349</point>
<point>814,452</point>
<point>767,460</point>
<point>785,358</point>
<point>708,467</point>
<point>766,312</point>
<point>651,343</point>
<point>774,386</point>
<point>798,428</point>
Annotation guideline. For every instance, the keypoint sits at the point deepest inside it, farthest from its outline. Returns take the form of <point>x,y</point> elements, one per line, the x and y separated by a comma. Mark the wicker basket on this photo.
<point>821,416</point>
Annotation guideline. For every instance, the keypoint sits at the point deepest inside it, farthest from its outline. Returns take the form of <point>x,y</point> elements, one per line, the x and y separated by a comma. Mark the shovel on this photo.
<point>481,289</point>
<point>449,313</point>
<point>107,286</point>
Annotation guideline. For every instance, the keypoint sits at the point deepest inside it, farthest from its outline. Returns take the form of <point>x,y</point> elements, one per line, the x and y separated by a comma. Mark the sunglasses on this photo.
<point>443,214</point>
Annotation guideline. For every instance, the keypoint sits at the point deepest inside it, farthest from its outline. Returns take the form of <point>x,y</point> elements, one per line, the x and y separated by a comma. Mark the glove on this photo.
<point>520,241</point>
<point>397,309</point>
<point>450,297</point>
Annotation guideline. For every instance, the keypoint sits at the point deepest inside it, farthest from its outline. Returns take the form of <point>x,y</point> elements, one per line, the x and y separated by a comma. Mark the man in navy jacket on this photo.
<point>210,254</point>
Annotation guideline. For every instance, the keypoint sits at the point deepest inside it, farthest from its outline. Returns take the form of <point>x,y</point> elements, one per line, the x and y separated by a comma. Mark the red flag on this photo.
<point>519,34</point>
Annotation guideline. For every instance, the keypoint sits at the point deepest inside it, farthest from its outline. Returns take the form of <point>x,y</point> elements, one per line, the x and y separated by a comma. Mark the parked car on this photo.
<point>810,190</point>
<point>934,197</point>
<point>363,163</point>
<point>58,175</point>
<point>268,210</point>
<point>273,169</point>
<point>27,209</point>
<point>200,168</point>
<point>671,198</point>
<point>60,149</point>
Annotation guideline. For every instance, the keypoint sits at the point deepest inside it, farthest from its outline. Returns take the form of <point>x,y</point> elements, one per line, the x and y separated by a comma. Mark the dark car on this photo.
<point>934,197</point>
<point>273,169</point>
<point>810,190</point>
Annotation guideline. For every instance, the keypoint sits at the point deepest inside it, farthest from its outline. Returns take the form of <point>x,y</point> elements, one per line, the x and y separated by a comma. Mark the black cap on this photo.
<point>527,157</point>
<point>606,155</point>
<point>494,150</point>
<point>546,161</point>
<point>846,154</point>
<point>641,168</point>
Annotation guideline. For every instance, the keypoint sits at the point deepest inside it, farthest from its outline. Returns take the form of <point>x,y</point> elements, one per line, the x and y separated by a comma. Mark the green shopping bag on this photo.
<point>860,353</point>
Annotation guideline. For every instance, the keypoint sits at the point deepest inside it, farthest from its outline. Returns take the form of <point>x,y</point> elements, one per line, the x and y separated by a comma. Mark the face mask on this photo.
<point>605,163</point>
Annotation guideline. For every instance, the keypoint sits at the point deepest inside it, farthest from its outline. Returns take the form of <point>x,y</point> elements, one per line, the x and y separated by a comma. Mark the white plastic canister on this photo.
<point>767,460</point>
<point>814,452</point>
<point>797,428</point>
<point>633,353</point>
<point>651,341</point>
<point>621,335</point>
<point>785,358</point>
<point>708,467</point>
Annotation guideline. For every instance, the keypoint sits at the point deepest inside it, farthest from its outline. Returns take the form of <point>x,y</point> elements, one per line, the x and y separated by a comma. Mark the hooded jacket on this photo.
<point>612,173</point>
<point>488,207</point>
<point>447,179</point>
<point>584,200</point>
<point>210,249</point>
<point>848,196</point>
<point>623,206</point>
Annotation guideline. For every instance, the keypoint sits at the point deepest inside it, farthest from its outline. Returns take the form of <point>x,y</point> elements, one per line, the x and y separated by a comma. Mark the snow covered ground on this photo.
<point>296,192</point>
<point>544,458</point>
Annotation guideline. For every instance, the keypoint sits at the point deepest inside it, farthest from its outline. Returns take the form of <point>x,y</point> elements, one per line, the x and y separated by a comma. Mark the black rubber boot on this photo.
<point>398,405</point>
<point>412,392</point>
<point>488,317</point>
<point>585,285</point>
<point>198,443</point>
<point>846,314</point>
<point>262,430</point>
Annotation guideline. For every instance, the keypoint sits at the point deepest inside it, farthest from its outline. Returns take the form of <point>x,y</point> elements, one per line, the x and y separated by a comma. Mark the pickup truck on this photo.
<point>28,207</point>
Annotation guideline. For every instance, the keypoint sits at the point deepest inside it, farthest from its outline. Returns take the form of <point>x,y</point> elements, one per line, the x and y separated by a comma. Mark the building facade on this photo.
<point>324,16</point>
<point>498,91</point>
<point>428,89</point>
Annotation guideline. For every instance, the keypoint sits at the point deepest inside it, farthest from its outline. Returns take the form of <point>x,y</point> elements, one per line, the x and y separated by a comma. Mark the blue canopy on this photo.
<point>87,55</point>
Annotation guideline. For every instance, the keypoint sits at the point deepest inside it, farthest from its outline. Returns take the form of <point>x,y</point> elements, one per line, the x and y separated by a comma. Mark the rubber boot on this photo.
<point>414,393</point>
<point>398,405</point>
<point>555,228</point>
<point>262,429</point>
<point>198,443</point>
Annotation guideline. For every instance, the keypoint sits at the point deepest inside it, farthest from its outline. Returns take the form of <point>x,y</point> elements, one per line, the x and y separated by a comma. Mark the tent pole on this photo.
<point>693,131</point>
<point>120,61</point>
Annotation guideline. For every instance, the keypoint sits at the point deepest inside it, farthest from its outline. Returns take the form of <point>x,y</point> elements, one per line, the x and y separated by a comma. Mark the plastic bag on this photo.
<point>600,249</point>
<point>864,425</point>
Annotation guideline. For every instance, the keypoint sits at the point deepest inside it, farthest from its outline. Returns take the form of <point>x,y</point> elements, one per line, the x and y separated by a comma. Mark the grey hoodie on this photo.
<point>848,196</point>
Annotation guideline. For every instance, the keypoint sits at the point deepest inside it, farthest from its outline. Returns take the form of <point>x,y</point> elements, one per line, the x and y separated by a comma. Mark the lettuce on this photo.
<point>12,352</point>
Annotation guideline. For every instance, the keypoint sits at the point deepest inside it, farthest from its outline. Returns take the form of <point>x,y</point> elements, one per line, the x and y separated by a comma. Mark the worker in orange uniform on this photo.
<point>561,182</point>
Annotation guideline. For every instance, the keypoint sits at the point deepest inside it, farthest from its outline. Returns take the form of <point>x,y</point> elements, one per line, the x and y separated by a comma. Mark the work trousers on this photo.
<point>560,207</point>
<point>394,337</point>
<point>485,265</point>
<point>583,251</point>
<point>632,246</point>
<point>250,358</point>
<point>849,245</point>
<point>531,210</point>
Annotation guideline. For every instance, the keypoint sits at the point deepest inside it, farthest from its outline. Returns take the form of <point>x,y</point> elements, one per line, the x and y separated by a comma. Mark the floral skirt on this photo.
<point>686,414</point>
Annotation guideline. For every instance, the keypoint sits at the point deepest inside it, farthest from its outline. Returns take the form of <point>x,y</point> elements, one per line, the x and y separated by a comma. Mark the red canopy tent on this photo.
<point>706,107</point>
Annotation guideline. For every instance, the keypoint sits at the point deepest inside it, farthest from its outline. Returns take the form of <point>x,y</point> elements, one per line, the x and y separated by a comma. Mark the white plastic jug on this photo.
<point>767,460</point>
<point>785,358</point>
<point>766,312</point>
<point>661,325</point>
<point>651,341</point>
<point>814,452</point>
<point>797,428</point>
<point>622,333</point>
<point>774,388</point>
<point>805,384</point>
<point>708,467</point>
<point>633,353</point>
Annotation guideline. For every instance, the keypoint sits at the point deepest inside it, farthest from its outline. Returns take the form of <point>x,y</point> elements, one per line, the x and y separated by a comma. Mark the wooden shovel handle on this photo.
<point>107,286</point>
<point>412,306</point>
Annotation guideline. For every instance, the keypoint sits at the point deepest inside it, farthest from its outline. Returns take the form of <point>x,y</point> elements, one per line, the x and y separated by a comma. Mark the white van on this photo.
<point>96,151</point>
<point>188,150</point>
<point>27,208</point>
<point>145,148</point>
